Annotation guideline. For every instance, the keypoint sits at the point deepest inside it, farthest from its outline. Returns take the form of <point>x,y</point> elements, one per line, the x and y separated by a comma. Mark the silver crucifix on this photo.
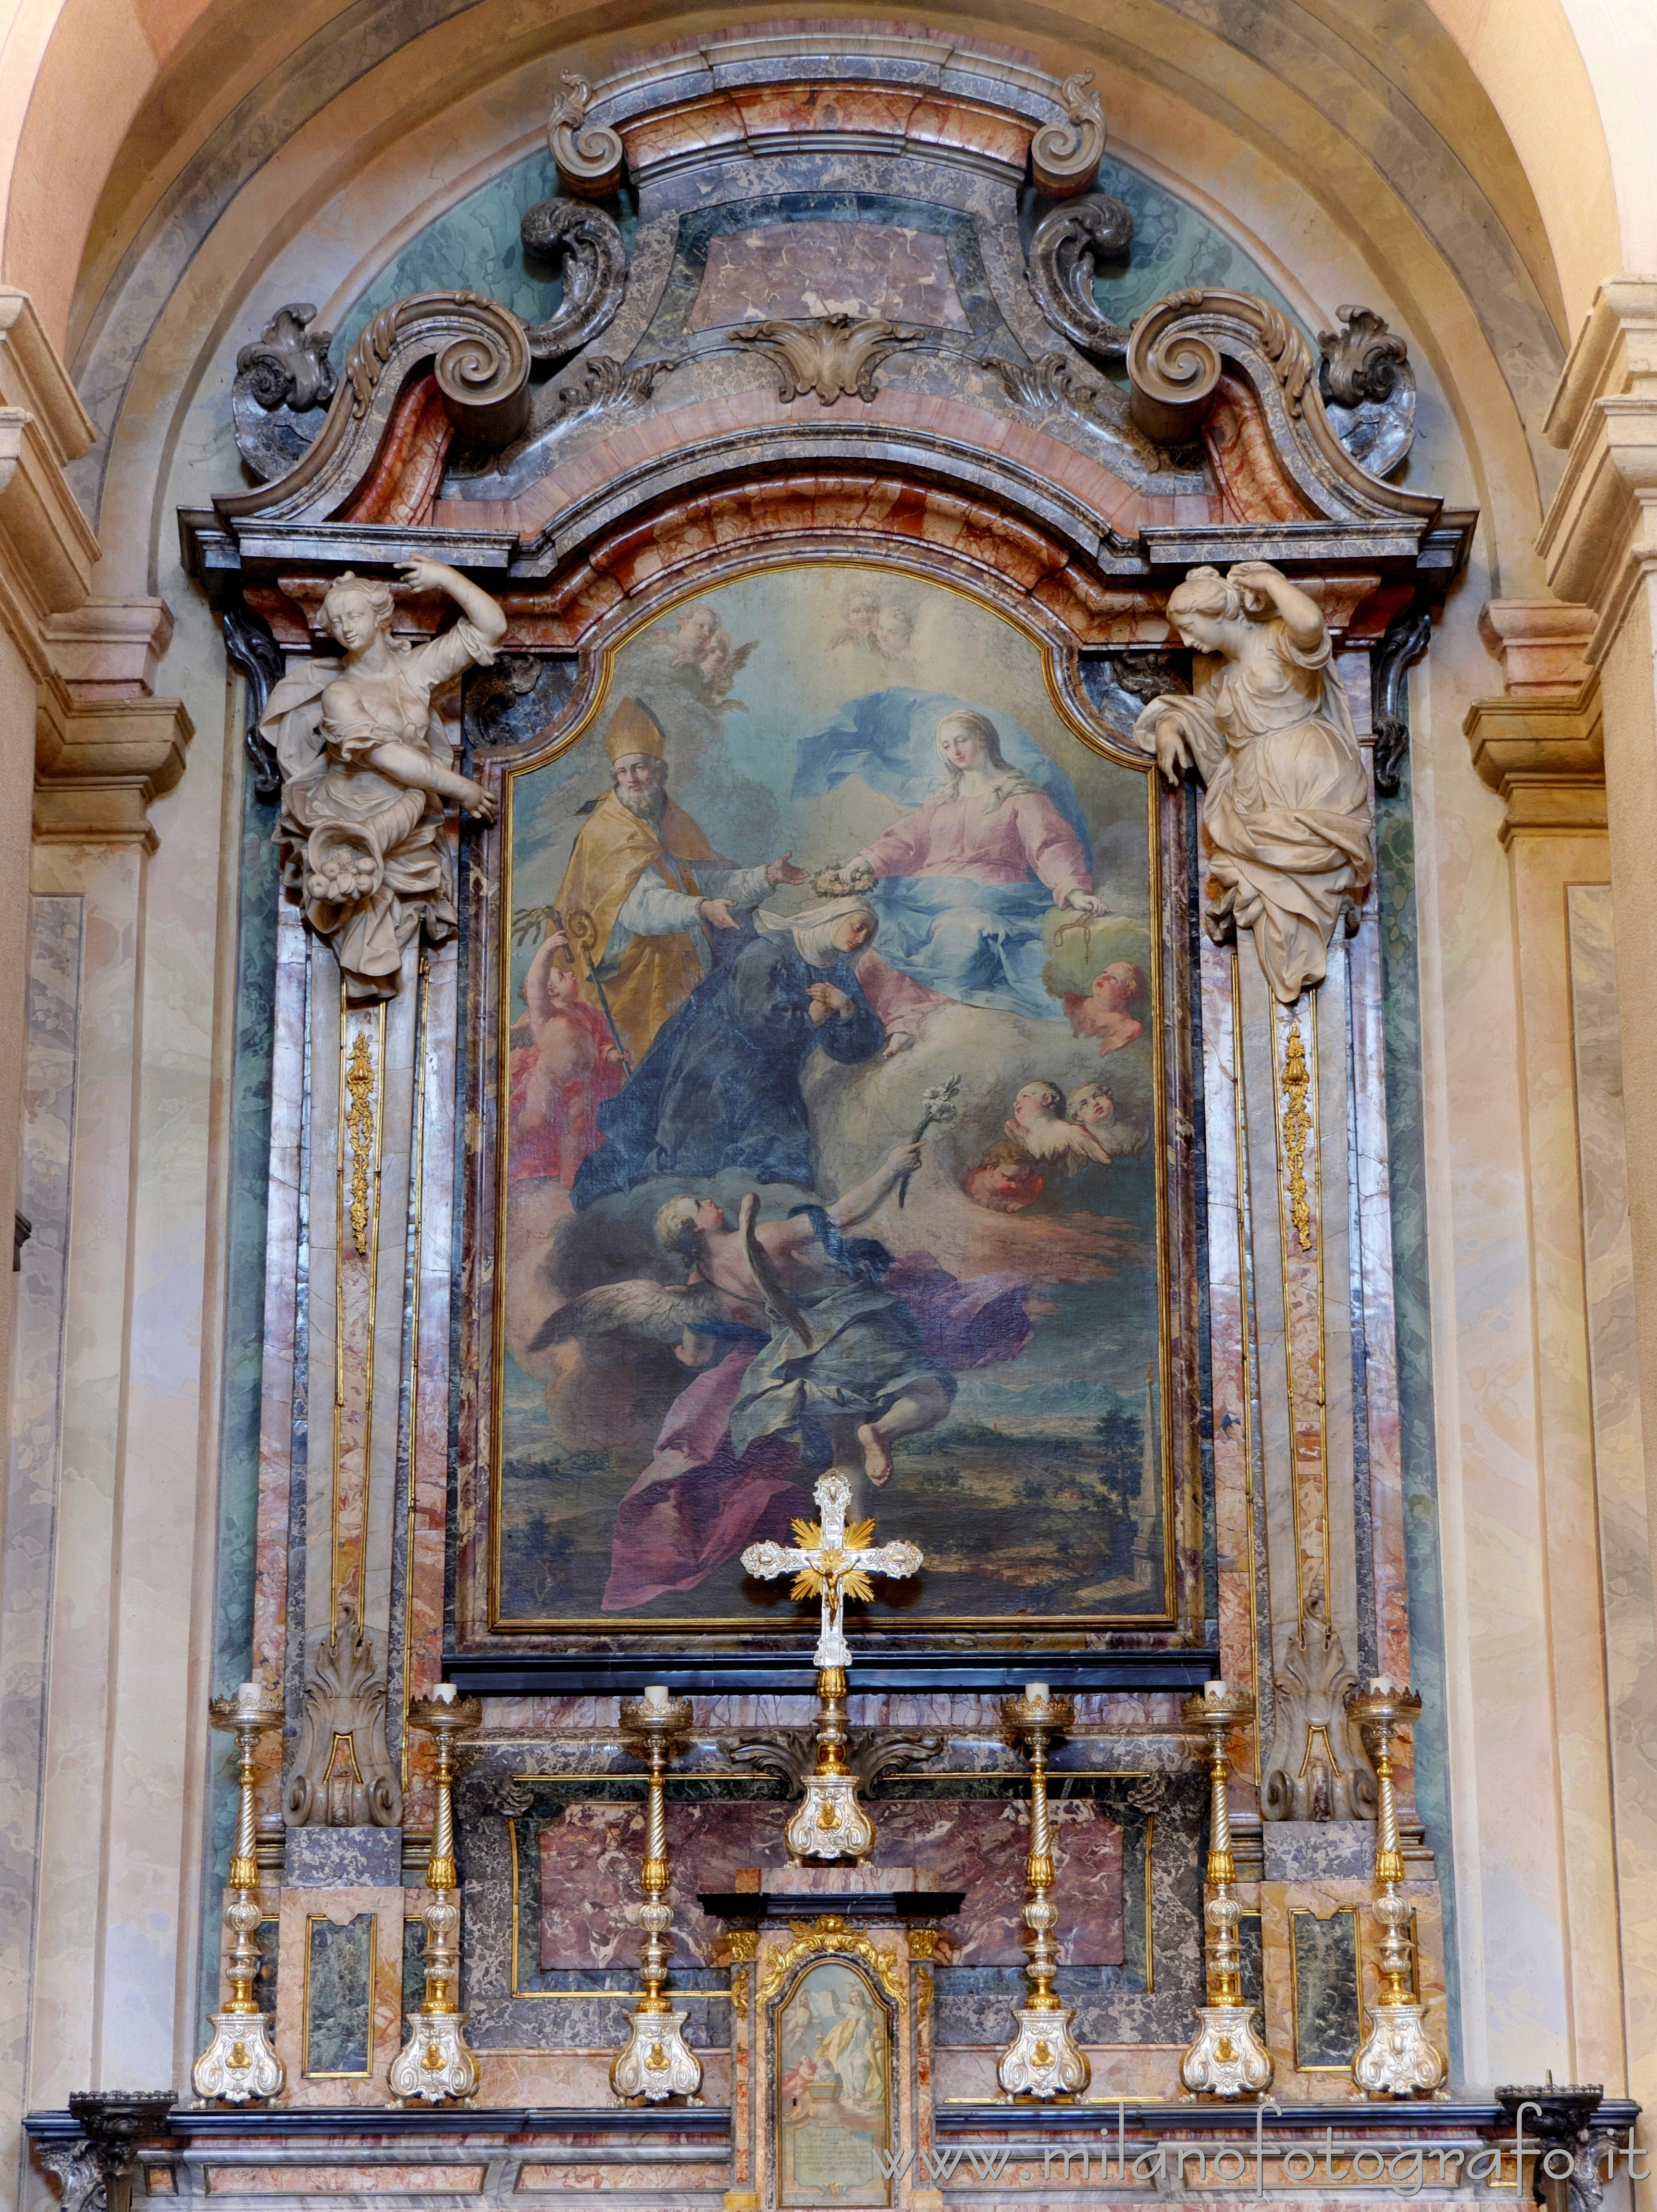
<point>831,1562</point>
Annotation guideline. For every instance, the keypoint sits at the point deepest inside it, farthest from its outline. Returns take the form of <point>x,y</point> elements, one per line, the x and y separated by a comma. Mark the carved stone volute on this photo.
<point>1313,1770</point>
<point>342,1775</point>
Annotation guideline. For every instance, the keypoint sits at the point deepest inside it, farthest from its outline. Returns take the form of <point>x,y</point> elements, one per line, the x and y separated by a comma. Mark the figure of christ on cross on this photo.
<point>832,1563</point>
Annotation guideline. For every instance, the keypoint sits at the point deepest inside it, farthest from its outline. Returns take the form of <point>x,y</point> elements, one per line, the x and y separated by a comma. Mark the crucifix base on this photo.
<point>829,1824</point>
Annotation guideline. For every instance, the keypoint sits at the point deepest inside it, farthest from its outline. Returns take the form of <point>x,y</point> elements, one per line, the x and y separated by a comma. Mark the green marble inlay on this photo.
<point>1173,245</point>
<point>475,247</point>
<point>339,1996</point>
<point>1407,1168</point>
<point>244,1356</point>
<point>1327,2030</point>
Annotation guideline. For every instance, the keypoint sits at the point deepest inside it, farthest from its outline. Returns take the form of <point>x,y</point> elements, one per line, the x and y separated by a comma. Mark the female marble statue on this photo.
<point>366,771</point>
<point>1287,815</point>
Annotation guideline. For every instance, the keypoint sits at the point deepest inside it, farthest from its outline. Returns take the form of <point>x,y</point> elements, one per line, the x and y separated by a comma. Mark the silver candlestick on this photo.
<point>1228,2058</point>
<point>656,2062</point>
<point>238,2062</point>
<point>1043,2059</point>
<point>435,2060</point>
<point>1396,2059</point>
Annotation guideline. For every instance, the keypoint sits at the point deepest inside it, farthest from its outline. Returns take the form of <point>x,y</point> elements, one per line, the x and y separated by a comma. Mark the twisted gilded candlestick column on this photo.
<point>238,2062</point>
<point>1396,2059</point>
<point>656,2062</point>
<point>435,2060</point>
<point>1228,2058</point>
<point>1042,2060</point>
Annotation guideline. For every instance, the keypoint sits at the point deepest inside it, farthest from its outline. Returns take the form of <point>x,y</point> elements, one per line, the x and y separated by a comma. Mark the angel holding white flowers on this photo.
<point>1287,815</point>
<point>366,769</point>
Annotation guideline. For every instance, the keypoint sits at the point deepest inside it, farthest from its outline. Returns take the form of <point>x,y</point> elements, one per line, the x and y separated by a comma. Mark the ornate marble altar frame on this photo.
<point>994,461</point>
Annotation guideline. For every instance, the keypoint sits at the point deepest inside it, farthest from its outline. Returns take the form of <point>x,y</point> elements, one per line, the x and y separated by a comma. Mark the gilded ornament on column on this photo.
<point>360,1125</point>
<point>1296,1132</point>
<point>656,2062</point>
<point>1228,2058</point>
<point>1396,2059</point>
<point>435,2060</point>
<point>1043,2060</point>
<point>238,2062</point>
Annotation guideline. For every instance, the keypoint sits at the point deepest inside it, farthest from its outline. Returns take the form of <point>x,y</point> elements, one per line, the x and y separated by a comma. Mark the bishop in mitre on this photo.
<point>644,888</point>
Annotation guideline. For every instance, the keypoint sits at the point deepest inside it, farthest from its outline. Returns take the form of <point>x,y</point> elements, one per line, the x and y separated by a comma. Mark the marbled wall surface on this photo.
<point>31,1500</point>
<point>1618,1457</point>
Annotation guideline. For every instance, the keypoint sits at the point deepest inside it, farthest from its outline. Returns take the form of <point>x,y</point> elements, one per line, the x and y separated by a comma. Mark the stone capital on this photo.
<point>1599,538</point>
<point>47,548</point>
<point>100,761</point>
<point>1546,757</point>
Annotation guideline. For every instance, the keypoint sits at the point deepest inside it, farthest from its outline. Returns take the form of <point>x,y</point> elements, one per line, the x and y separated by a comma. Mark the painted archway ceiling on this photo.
<point>1363,115</point>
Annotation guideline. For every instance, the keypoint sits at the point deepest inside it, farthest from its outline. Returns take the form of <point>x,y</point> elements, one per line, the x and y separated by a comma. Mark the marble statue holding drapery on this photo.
<point>1287,817</point>
<point>367,769</point>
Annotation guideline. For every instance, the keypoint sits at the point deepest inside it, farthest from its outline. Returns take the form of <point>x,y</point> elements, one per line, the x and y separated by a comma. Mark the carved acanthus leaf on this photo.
<point>587,245</point>
<point>834,356</point>
<point>606,388</point>
<point>1312,1772</point>
<point>1065,157</point>
<point>791,1755</point>
<point>343,1774</point>
<point>1361,361</point>
<point>1368,388</point>
<point>284,376</point>
<point>589,158</point>
<point>1065,253</point>
<point>288,365</point>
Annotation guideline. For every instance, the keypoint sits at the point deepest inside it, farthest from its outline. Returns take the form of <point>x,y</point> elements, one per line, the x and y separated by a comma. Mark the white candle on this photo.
<point>445,1693</point>
<point>656,1695</point>
<point>249,1694</point>
<point>1036,1693</point>
<point>1211,1690</point>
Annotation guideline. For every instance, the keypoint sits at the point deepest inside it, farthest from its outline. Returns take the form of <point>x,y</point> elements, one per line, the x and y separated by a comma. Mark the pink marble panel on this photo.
<point>799,270</point>
<point>281,1266</point>
<point>1236,1445</point>
<point>590,1860</point>
<point>1374,1261</point>
<point>428,1505</point>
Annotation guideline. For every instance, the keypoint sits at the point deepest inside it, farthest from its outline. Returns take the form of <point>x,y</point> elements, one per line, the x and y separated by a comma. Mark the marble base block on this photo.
<point>1314,1850</point>
<point>343,1858</point>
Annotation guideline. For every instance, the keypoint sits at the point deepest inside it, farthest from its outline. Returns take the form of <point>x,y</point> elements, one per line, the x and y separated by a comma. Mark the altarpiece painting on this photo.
<point>833,906</point>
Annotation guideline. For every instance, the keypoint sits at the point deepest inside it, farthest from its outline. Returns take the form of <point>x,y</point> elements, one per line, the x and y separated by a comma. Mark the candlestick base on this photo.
<point>238,2062</point>
<point>435,2063</point>
<point>1228,2058</point>
<point>1042,2060</point>
<point>1397,2058</point>
<point>656,2063</point>
<point>830,1823</point>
